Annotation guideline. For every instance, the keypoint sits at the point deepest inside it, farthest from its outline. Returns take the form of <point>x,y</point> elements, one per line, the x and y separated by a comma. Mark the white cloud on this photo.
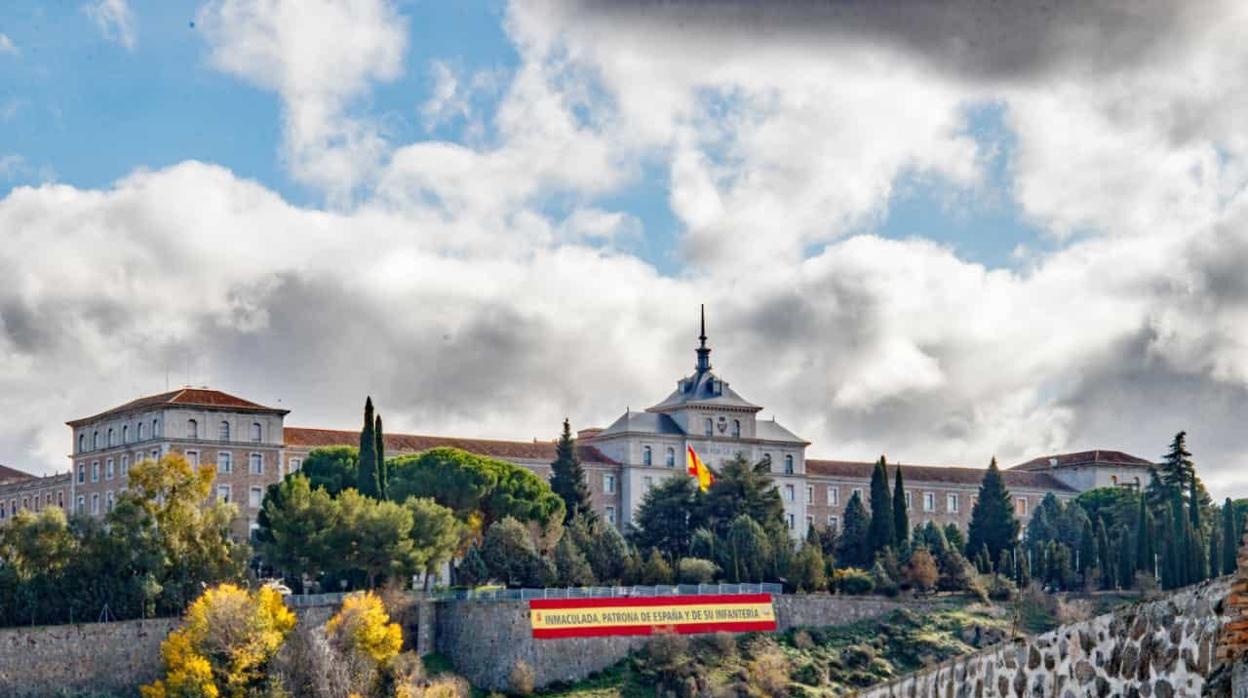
<point>7,46</point>
<point>319,56</point>
<point>115,20</point>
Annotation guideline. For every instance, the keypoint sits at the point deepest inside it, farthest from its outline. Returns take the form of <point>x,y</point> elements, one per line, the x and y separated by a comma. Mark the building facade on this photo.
<point>250,447</point>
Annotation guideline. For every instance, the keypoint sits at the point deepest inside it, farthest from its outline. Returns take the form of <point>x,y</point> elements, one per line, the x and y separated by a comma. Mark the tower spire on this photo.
<point>704,352</point>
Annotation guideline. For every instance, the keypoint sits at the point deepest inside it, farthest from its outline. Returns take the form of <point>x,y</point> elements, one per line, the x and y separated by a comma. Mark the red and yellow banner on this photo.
<point>737,613</point>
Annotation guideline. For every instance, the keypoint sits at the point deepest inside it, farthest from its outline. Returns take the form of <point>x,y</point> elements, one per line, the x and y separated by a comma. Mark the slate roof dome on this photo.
<point>703,387</point>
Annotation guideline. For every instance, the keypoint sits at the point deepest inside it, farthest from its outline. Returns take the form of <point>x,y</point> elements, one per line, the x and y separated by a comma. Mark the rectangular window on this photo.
<point>125,464</point>
<point>1020,506</point>
<point>951,503</point>
<point>810,494</point>
<point>82,473</point>
<point>611,515</point>
<point>225,464</point>
<point>789,519</point>
<point>108,469</point>
<point>81,506</point>
<point>257,464</point>
<point>929,501</point>
<point>608,483</point>
<point>223,493</point>
<point>192,457</point>
<point>834,495</point>
<point>788,494</point>
<point>108,501</point>
<point>647,482</point>
<point>254,497</point>
<point>95,471</point>
<point>907,499</point>
<point>95,503</point>
<point>295,464</point>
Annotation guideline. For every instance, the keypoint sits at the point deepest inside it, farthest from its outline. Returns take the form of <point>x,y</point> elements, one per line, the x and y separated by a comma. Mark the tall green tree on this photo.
<point>383,477</point>
<point>436,534</point>
<point>297,524</point>
<point>747,550</point>
<point>993,524</point>
<point>743,488</point>
<point>1105,562</point>
<point>901,517</point>
<point>1196,544</point>
<point>667,518</point>
<point>853,546</point>
<point>366,475</point>
<point>567,476</point>
<point>334,468</point>
<point>880,534</point>
<point>1230,537</point>
<point>1145,560</point>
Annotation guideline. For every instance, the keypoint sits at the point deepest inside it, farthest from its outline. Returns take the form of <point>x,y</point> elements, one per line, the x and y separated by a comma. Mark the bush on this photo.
<point>884,582</point>
<point>522,679</point>
<point>1001,588</point>
<point>920,571</point>
<point>667,648</point>
<point>695,570</point>
<point>802,641</point>
<point>446,687</point>
<point>853,581</point>
<point>769,673</point>
<point>656,569</point>
<point>362,625</point>
<point>723,644</point>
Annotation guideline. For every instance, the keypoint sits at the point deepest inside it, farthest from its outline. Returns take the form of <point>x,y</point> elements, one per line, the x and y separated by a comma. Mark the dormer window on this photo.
<point>709,427</point>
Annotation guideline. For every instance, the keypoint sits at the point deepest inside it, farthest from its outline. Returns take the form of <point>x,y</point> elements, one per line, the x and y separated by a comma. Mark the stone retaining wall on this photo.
<point>484,640</point>
<point>112,657</point>
<point>1157,649</point>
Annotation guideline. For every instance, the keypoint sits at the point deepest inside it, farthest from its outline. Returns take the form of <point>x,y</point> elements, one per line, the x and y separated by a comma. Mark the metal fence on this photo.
<point>301,600</point>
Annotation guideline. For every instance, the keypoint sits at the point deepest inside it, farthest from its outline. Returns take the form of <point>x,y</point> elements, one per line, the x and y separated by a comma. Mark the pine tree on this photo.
<point>567,477</point>
<point>1177,468</point>
<point>881,533</point>
<point>366,482</point>
<point>853,548</point>
<point>901,518</point>
<point>993,525</point>
<point>383,472</point>
<point>1230,537</point>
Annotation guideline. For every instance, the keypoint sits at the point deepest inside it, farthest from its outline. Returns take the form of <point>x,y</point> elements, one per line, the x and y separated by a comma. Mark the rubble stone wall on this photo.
<point>1158,649</point>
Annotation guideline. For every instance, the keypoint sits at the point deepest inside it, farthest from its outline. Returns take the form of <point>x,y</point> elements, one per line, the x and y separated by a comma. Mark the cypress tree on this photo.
<point>1087,548</point>
<point>881,534</point>
<point>567,477</point>
<point>366,477</point>
<point>1215,551</point>
<point>854,547</point>
<point>901,518</point>
<point>993,525</point>
<point>1144,551</point>
<point>1104,558</point>
<point>1196,544</point>
<point>383,472</point>
<point>1230,537</point>
<point>1126,557</point>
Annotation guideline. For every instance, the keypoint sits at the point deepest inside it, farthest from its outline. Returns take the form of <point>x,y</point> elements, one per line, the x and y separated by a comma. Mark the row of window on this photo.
<point>225,464</point>
<point>111,465</point>
<point>109,438</point>
<point>255,495</point>
<point>31,503</point>
<point>647,458</point>
<point>953,500</point>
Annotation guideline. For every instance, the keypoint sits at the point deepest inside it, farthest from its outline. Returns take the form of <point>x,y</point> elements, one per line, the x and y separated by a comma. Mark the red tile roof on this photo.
<point>8,474</point>
<point>185,397</point>
<point>1065,460</point>
<point>410,443</point>
<point>943,474</point>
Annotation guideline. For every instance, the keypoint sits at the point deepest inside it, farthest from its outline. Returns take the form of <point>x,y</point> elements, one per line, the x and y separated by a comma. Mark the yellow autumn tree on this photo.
<point>224,646</point>
<point>363,625</point>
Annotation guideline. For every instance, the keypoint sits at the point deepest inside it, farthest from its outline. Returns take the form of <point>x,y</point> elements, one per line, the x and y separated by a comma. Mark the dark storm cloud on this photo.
<point>987,39</point>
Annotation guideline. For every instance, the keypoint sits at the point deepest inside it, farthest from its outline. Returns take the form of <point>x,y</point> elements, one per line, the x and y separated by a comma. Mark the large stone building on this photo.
<point>251,447</point>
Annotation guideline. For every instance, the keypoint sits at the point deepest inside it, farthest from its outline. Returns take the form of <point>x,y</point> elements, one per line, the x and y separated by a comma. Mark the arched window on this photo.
<point>155,428</point>
<point>645,456</point>
<point>192,429</point>
<point>709,427</point>
<point>125,434</point>
<point>788,465</point>
<point>112,437</point>
<point>1114,479</point>
<point>767,459</point>
<point>142,435</point>
<point>671,457</point>
<point>95,439</point>
<point>257,432</point>
<point>223,431</point>
<point>82,442</point>
<point>736,428</point>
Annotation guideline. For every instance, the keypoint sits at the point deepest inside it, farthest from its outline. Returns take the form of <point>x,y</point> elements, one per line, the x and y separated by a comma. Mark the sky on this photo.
<point>944,232</point>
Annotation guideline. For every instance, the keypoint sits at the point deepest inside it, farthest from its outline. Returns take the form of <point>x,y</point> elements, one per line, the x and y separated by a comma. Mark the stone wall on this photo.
<point>484,640</point>
<point>1157,649</point>
<point>113,657</point>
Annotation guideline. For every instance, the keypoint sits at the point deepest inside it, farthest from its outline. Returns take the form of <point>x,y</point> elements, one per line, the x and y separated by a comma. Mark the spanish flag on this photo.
<point>698,469</point>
